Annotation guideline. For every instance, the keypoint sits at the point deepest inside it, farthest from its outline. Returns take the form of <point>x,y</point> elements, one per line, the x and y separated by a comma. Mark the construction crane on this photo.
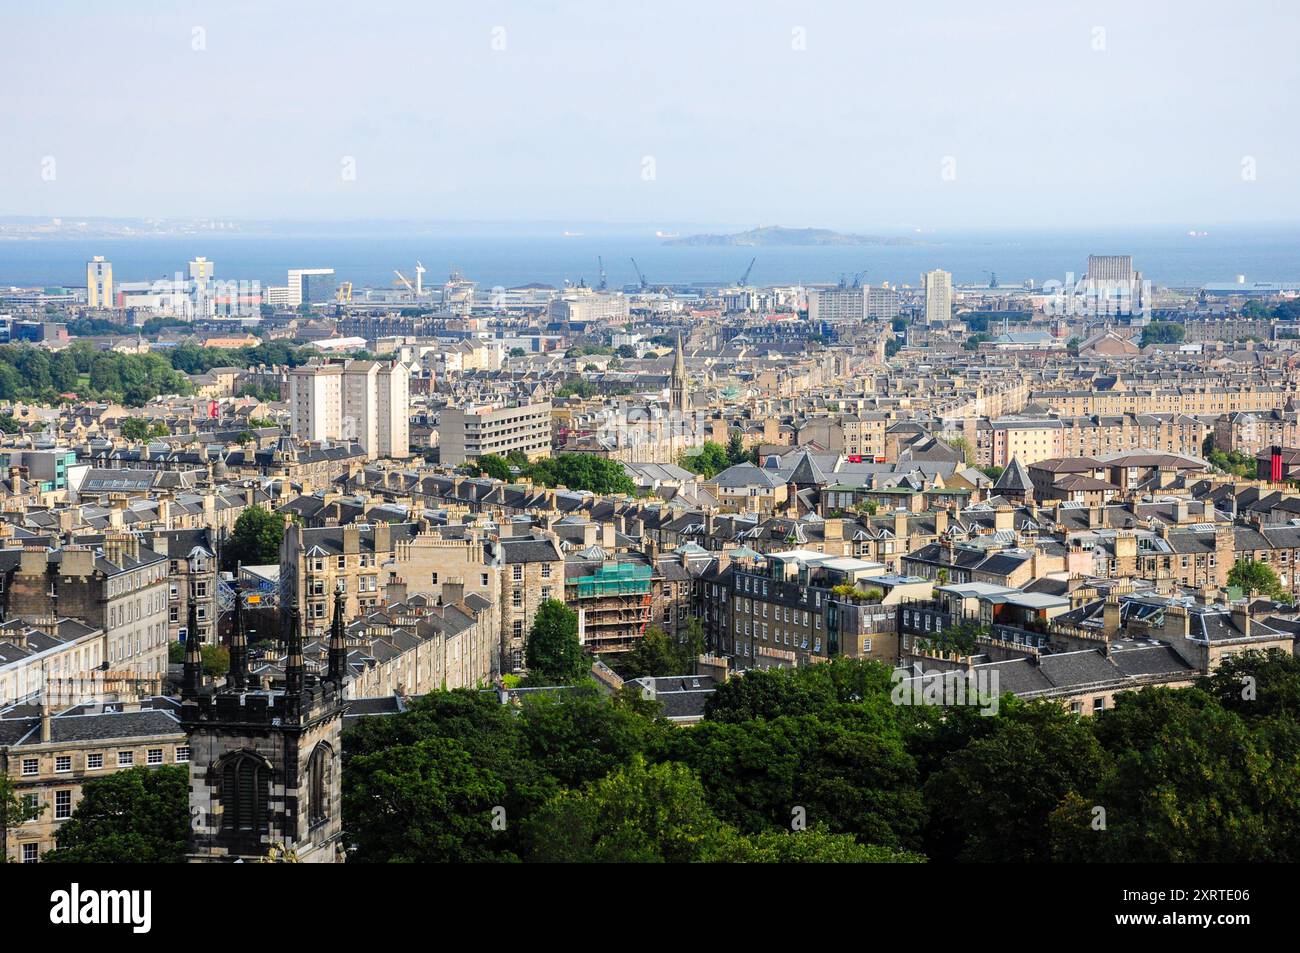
<point>344,293</point>
<point>601,263</point>
<point>641,282</point>
<point>419,278</point>
<point>744,279</point>
<point>404,280</point>
<point>857,279</point>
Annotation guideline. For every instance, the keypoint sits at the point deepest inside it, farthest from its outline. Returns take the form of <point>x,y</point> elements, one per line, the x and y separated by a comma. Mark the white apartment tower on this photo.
<point>364,402</point>
<point>938,296</point>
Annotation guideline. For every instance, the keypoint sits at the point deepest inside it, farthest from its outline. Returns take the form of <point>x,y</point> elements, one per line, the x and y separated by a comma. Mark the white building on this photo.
<point>366,402</point>
<point>938,296</point>
<point>837,305</point>
<point>477,431</point>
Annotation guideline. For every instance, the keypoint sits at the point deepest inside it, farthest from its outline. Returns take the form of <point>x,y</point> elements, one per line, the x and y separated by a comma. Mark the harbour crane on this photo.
<point>404,280</point>
<point>600,261</point>
<point>744,279</point>
<point>419,278</point>
<point>993,278</point>
<point>641,282</point>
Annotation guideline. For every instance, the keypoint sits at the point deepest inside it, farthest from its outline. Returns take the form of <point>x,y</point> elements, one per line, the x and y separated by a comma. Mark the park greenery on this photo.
<point>1184,774</point>
<point>140,815</point>
<point>576,471</point>
<point>1234,462</point>
<point>1163,332</point>
<point>789,765</point>
<point>30,373</point>
<point>711,458</point>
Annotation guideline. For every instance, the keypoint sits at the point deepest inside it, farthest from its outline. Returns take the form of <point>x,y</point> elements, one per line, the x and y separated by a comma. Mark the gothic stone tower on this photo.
<point>677,393</point>
<point>264,764</point>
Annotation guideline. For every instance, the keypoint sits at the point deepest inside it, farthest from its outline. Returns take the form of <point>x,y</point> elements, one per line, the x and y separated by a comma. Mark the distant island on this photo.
<point>778,235</point>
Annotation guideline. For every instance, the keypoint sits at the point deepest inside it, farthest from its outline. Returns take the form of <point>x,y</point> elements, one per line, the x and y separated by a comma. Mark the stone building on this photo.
<point>264,763</point>
<point>119,587</point>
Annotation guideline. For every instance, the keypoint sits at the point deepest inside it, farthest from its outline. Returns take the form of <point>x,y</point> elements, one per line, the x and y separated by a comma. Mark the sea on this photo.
<point>1168,257</point>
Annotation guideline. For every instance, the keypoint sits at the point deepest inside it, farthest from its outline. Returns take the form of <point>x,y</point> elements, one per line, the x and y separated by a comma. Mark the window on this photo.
<point>319,771</point>
<point>155,756</point>
<point>31,801</point>
<point>182,754</point>
<point>31,852</point>
<point>63,763</point>
<point>519,629</point>
<point>31,766</point>
<point>434,580</point>
<point>94,762</point>
<point>517,573</point>
<point>125,759</point>
<point>245,790</point>
<point>62,804</point>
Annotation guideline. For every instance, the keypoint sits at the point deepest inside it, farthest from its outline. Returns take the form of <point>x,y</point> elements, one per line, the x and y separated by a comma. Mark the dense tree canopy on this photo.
<point>140,815</point>
<point>554,654</point>
<point>256,539</point>
<point>1258,577</point>
<point>708,461</point>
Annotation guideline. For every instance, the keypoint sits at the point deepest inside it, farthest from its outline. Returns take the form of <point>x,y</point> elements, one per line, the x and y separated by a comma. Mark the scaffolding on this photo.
<point>614,579</point>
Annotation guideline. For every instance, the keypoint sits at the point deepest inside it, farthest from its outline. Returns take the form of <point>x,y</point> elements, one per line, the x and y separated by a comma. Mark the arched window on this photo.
<point>319,774</point>
<point>245,790</point>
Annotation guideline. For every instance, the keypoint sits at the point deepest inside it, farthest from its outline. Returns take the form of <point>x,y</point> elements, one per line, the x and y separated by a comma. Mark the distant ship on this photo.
<point>1195,234</point>
<point>663,234</point>
<point>572,234</point>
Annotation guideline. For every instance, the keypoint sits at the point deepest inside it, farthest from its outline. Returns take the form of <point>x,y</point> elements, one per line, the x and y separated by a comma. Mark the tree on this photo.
<point>255,540</point>
<point>962,445</point>
<point>493,466</point>
<point>216,660</point>
<point>137,816</point>
<point>736,449</point>
<point>1185,781</point>
<point>813,846</point>
<point>708,461</point>
<point>430,801</point>
<point>993,799</point>
<point>554,653</point>
<point>1162,332</point>
<point>15,811</point>
<point>1256,576</point>
<point>583,471</point>
<point>637,814</point>
<point>659,654</point>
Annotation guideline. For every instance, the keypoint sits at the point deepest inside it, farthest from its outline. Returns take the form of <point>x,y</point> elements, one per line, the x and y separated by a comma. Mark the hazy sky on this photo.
<point>846,115</point>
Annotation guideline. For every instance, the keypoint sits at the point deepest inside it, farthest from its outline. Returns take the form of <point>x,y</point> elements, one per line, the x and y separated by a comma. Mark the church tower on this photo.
<point>264,762</point>
<point>678,382</point>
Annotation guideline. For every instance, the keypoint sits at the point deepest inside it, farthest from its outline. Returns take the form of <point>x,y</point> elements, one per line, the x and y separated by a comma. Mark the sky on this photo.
<point>859,116</point>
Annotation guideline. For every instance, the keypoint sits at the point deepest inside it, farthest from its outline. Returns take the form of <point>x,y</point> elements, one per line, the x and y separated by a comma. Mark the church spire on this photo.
<point>294,667</point>
<point>192,678</point>
<point>678,381</point>
<point>338,658</point>
<point>238,648</point>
